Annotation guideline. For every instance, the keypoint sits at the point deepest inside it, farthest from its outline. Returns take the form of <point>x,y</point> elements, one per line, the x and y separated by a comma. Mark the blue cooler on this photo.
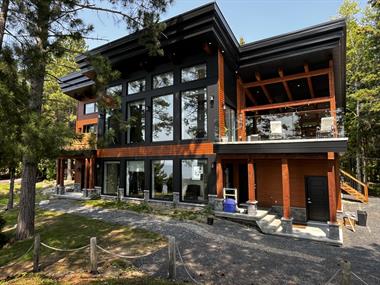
<point>229,206</point>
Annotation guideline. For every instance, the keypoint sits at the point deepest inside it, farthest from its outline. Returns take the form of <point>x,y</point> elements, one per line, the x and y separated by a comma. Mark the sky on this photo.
<point>251,19</point>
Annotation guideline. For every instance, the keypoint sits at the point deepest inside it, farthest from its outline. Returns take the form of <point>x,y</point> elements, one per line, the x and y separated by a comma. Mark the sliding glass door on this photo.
<point>111,177</point>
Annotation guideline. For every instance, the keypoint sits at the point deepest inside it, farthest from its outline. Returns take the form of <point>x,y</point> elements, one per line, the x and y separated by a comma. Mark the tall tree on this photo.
<point>363,88</point>
<point>38,29</point>
<point>3,20</point>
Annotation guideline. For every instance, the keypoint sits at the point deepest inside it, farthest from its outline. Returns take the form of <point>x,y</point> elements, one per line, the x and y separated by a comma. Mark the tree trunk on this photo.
<point>3,20</point>
<point>25,220</point>
<point>69,177</point>
<point>11,188</point>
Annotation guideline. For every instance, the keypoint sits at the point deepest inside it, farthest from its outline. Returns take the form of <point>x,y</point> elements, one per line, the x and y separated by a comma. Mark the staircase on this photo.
<point>269,223</point>
<point>354,187</point>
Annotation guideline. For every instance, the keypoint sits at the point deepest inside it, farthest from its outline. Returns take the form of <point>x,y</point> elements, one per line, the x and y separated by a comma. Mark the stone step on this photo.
<point>267,219</point>
<point>272,227</point>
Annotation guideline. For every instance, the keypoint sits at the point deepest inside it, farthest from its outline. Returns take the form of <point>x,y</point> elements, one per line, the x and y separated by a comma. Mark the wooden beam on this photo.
<point>265,90</point>
<point>286,86</point>
<point>288,104</point>
<point>251,181</point>
<point>219,178</point>
<point>221,99</point>
<point>231,157</point>
<point>331,176</point>
<point>318,72</point>
<point>250,96</point>
<point>332,96</point>
<point>285,188</point>
<point>309,82</point>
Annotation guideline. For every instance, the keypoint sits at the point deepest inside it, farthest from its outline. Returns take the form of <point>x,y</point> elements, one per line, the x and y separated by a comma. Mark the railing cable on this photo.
<point>63,249</point>
<point>185,267</point>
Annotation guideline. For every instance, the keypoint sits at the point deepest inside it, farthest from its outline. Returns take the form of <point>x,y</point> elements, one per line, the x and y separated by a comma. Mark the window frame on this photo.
<point>161,73</point>
<point>190,66</point>
<point>126,177</point>
<point>127,133</point>
<point>134,80</point>
<point>206,159</point>
<point>151,174</point>
<point>206,113</point>
<point>95,109</point>
<point>152,118</point>
<point>104,176</point>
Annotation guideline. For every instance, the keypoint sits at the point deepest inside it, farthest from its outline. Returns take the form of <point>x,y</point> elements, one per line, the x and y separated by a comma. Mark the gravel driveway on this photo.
<point>230,253</point>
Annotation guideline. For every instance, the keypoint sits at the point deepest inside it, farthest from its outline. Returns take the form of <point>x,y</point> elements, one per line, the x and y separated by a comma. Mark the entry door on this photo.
<point>317,198</point>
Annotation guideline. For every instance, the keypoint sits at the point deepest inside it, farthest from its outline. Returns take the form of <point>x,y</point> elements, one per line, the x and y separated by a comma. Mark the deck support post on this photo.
<point>331,181</point>
<point>219,178</point>
<point>252,203</point>
<point>286,220</point>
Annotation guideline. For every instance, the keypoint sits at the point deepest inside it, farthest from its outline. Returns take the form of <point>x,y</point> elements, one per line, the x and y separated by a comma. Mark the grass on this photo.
<point>143,207</point>
<point>4,189</point>
<point>71,231</point>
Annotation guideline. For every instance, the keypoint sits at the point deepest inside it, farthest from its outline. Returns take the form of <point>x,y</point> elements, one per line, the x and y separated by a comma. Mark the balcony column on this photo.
<point>86,162</point>
<point>219,186</point>
<point>57,170</point>
<point>331,181</point>
<point>286,220</point>
<point>91,173</point>
<point>252,203</point>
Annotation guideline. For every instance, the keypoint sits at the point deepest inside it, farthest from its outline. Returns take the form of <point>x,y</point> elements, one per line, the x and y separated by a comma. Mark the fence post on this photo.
<point>93,256</point>
<point>36,252</point>
<point>346,272</point>
<point>172,255</point>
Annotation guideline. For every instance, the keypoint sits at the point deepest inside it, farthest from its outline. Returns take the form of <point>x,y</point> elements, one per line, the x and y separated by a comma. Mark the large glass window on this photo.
<point>162,179</point>
<point>90,108</point>
<point>163,80</point>
<point>136,120</point>
<point>91,128</point>
<point>194,180</point>
<point>111,177</point>
<point>136,86</point>
<point>194,73</point>
<point>162,118</point>
<point>194,114</point>
<point>135,179</point>
<point>113,116</point>
<point>230,129</point>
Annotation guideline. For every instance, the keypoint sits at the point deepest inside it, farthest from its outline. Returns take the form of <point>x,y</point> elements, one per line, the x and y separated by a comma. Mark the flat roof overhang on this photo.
<point>322,145</point>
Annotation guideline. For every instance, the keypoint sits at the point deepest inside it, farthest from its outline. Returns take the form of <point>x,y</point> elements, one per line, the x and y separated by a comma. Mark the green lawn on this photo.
<point>71,231</point>
<point>4,189</point>
<point>176,213</point>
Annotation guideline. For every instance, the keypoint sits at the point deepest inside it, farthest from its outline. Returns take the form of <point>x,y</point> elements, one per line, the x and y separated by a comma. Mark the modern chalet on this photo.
<point>210,119</point>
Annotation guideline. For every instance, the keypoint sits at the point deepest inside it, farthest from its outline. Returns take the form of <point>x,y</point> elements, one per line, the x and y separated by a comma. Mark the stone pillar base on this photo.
<point>333,231</point>
<point>211,200</point>
<point>287,225</point>
<point>252,208</point>
<point>98,190</point>
<point>146,195</point>
<point>85,192</point>
<point>176,198</point>
<point>121,193</point>
<point>219,204</point>
<point>61,190</point>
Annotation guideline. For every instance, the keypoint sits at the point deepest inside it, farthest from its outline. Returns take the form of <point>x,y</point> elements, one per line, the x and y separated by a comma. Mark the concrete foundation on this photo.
<point>287,225</point>
<point>211,200</point>
<point>333,231</point>
<point>219,204</point>
<point>176,198</point>
<point>146,195</point>
<point>252,208</point>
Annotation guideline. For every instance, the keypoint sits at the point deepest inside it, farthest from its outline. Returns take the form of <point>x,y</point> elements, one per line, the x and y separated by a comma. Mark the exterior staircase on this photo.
<point>353,187</point>
<point>269,224</point>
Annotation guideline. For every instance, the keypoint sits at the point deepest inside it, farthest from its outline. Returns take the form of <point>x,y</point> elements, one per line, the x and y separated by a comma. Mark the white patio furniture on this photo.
<point>327,128</point>
<point>276,130</point>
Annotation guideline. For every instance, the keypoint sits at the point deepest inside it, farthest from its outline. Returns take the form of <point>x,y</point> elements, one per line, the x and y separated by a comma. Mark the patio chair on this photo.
<point>276,130</point>
<point>327,129</point>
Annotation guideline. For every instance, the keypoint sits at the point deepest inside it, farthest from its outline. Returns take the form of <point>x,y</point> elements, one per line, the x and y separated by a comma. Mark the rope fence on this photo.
<point>345,273</point>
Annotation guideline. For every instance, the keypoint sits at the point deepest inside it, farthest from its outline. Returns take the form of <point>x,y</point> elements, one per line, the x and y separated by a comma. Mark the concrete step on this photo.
<point>273,226</point>
<point>267,219</point>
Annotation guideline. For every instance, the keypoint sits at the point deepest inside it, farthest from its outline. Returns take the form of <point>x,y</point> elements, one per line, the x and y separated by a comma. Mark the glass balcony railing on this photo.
<point>312,124</point>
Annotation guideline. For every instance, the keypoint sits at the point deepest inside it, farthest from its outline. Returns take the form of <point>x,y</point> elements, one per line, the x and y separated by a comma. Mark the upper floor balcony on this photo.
<point>311,131</point>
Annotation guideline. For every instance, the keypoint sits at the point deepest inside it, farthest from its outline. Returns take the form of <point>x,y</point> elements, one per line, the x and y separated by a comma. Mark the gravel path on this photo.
<point>230,253</point>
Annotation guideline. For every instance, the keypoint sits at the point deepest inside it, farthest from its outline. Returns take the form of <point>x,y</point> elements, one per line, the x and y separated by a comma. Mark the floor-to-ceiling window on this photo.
<point>194,180</point>
<point>162,179</point>
<point>136,121</point>
<point>113,116</point>
<point>111,177</point>
<point>194,114</point>
<point>162,129</point>
<point>135,179</point>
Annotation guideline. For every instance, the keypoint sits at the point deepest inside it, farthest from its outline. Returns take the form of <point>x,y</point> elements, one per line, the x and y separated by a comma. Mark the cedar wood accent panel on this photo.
<point>269,185</point>
<point>81,123</point>
<point>221,99</point>
<point>158,150</point>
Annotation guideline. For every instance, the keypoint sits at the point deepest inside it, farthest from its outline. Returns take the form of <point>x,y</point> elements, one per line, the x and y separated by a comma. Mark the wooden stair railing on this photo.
<point>353,186</point>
